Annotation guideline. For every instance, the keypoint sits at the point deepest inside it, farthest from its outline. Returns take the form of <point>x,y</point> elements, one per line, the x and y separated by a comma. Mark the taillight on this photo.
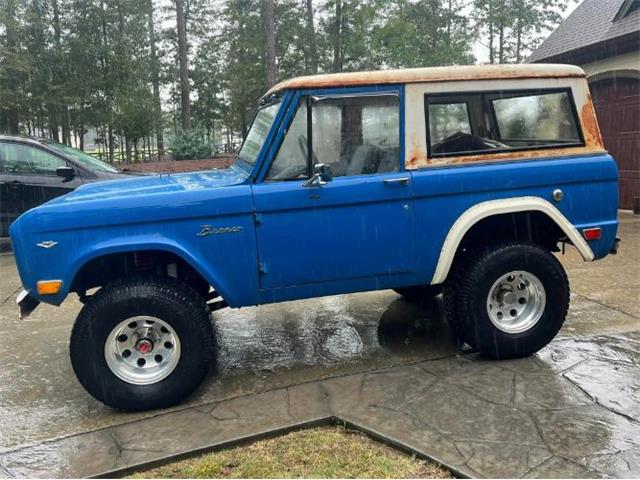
<point>592,233</point>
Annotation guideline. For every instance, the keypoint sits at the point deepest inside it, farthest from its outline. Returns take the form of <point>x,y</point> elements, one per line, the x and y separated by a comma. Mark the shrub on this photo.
<point>190,145</point>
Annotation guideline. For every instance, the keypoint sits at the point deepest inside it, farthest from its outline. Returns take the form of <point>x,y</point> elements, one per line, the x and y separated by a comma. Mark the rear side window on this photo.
<point>493,122</point>
<point>544,118</point>
<point>447,119</point>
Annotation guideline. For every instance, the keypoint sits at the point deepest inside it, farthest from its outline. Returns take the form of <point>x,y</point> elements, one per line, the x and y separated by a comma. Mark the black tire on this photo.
<point>466,293</point>
<point>420,292</point>
<point>167,299</point>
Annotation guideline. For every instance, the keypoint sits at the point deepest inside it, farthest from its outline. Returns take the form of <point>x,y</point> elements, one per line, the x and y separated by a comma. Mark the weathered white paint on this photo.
<point>628,62</point>
<point>432,74</point>
<point>498,207</point>
<point>415,124</point>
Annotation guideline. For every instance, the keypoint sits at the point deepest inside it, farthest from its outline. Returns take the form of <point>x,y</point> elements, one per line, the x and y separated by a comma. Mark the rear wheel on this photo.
<point>419,292</point>
<point>142,343</point>
<point>509,301</point>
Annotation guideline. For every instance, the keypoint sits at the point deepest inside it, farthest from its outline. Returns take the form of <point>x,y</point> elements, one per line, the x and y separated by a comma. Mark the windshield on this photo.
<point>85,159</point>
<point>258,133</point>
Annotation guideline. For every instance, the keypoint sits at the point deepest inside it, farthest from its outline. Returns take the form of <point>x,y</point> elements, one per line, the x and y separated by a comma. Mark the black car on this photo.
<point>33,171</point>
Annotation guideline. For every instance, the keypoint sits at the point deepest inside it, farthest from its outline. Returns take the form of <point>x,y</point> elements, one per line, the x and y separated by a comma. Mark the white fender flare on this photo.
<point>498,207</point>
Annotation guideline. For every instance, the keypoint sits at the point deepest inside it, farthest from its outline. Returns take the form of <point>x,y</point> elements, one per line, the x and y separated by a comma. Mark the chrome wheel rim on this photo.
<point>142,350</point>
<point>516,301</point>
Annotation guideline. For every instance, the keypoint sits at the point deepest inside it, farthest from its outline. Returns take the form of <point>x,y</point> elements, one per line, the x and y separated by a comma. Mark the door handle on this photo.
<point>400,180</point>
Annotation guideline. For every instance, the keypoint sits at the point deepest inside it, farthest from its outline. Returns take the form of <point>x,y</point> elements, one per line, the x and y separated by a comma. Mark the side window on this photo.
<point>357,135</point>
<point>353,135</point>
<point>493,122</point>
<point>27,160</point>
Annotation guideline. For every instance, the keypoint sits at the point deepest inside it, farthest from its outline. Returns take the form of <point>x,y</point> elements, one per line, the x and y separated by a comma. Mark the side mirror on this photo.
<point>66,172</point>
<point>321,176</point>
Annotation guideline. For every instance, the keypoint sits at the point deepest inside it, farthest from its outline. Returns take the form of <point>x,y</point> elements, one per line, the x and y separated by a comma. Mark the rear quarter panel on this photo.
<point>442,195</point>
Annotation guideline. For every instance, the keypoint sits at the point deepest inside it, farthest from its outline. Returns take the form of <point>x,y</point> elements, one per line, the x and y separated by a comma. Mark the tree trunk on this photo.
<point>337,38</point>
<point>110,140</point>
<point>501,44</point>
<point>155,80</point>
<point>492,58</point>
<point>127,143</point>
<point>53,129</point>
<point>518,42</point>
<point>11,117</point>
<point>311,38</point>
<point>63,108</point>
<point>449,16</point>
<point>270,41</point>
<point>185,89</point>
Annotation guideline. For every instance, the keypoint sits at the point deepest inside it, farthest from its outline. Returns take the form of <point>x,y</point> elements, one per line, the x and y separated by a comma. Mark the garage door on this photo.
<point>617,103</point>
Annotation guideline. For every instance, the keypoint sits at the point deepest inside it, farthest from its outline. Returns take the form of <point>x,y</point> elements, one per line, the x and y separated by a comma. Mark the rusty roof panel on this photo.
<point>431,74</point>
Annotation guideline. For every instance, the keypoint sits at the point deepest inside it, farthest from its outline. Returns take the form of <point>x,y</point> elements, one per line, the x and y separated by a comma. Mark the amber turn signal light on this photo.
<point>592,233</point>
<point>49,287</point>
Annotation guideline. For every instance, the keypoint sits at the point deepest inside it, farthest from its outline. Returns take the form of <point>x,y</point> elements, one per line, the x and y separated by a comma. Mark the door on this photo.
<point>617,104</point>
<point>359,224</point>
<point>28,179</point>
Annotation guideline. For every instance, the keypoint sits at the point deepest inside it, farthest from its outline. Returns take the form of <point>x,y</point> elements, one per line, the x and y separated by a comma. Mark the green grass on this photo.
<point>315,453</point>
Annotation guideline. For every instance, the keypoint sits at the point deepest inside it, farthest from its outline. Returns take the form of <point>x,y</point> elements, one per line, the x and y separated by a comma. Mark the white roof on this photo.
<point>431,74</point>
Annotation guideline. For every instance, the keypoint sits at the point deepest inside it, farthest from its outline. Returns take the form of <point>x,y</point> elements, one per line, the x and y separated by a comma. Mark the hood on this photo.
<point>149,185</point>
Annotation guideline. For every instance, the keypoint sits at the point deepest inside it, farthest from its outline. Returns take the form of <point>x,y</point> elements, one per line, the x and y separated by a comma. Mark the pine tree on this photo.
<point>183,59</point>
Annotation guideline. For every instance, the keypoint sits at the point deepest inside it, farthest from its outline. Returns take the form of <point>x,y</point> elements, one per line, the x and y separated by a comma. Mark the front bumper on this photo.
<point>26,304</point>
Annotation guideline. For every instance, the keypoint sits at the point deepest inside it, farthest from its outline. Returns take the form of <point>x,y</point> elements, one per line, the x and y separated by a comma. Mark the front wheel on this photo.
<point>142,343</point>
<point>509,301</point>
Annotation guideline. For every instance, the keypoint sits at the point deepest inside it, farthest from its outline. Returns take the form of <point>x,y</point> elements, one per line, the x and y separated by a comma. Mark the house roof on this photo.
<point>431,74</point>
<point>592,22</point>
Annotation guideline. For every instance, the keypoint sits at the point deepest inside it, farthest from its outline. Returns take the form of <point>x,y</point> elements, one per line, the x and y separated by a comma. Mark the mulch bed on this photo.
<point>175,166</point>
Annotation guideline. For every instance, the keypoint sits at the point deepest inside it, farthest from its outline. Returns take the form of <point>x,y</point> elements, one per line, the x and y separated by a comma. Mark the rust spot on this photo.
<point>415,163</point>
<point>590,128</point>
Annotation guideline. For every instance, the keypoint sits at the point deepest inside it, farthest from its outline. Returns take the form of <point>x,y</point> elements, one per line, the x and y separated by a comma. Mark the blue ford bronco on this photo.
<point>460,180</point>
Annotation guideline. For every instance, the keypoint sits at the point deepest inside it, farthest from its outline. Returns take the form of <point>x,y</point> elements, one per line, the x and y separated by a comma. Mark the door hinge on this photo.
<point>262,268</point>
<point>257,218</point>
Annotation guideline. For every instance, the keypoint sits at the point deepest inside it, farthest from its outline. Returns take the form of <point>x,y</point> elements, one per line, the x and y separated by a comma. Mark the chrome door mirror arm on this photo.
<point>321,176</point>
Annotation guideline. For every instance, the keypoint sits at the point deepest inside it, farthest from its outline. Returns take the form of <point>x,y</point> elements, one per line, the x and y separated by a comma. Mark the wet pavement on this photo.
<point>373,359</point>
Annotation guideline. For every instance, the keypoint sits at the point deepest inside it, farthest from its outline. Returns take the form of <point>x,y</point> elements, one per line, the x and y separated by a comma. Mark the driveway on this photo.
<point>374,360</point>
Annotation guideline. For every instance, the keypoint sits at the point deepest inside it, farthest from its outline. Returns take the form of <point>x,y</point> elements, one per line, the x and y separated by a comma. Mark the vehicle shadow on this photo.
<point>334,335</point>
<point>409,323</point>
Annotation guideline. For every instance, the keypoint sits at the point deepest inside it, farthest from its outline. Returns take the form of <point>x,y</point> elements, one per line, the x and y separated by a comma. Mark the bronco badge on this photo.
<point>210,230</point>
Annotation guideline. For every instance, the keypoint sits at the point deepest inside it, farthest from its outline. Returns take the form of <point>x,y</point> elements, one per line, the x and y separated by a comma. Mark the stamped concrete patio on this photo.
<point>372,360</point>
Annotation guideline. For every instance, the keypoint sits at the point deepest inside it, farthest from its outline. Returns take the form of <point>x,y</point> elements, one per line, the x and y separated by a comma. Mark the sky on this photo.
<point>481,51</point>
